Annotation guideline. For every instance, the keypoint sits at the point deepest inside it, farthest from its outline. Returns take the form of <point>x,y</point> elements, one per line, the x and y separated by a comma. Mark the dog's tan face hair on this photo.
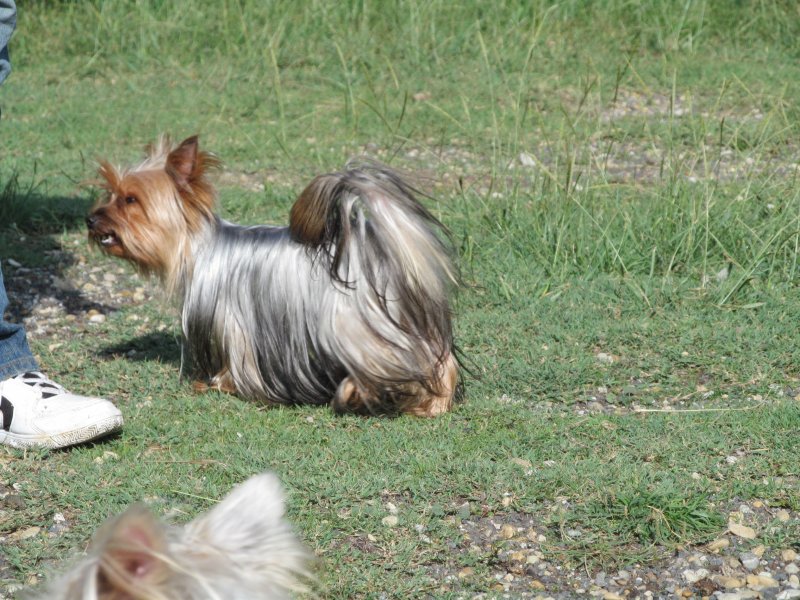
<point>147,213</point>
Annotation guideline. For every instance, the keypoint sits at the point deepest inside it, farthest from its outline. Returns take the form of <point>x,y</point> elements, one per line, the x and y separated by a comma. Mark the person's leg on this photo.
<point>8,21</point>
<point>36,412</point>
<point>15,356</point>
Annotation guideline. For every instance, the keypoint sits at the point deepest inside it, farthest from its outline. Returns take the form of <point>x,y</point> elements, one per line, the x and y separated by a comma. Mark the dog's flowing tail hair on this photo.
<point>394,261</point>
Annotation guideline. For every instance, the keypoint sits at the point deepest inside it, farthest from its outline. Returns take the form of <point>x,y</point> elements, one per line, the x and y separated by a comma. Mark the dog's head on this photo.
<point>148,212</point>
<point>242,548</point>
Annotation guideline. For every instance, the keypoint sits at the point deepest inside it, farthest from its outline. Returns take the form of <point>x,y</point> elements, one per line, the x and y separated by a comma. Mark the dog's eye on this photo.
<point>130,199</point>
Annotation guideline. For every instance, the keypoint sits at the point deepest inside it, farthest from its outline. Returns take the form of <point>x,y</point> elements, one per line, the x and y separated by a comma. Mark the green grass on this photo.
<point>573,148</point>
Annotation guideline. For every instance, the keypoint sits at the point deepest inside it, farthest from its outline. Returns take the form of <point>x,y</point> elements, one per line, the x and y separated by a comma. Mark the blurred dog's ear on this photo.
<point>251,511</point>
<point>249,524</point>
<point>131,551</point>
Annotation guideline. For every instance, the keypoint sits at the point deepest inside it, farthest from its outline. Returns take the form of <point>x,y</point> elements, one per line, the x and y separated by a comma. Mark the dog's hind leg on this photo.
<point>414,399</point>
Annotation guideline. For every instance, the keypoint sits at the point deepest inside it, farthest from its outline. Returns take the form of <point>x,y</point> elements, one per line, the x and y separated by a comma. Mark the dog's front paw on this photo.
<point>222,382</point>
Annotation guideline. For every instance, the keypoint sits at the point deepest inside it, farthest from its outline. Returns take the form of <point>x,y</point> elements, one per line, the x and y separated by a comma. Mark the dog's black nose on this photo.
<point>91,221</point>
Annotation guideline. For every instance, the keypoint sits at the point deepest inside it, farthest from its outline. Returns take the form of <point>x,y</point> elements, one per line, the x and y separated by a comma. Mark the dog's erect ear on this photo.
<point>252,511</point>
<point>109,174</point>
<point>131,550</point>
<point>249,523</point>
<point>182,162</point>
<point>187,166</point>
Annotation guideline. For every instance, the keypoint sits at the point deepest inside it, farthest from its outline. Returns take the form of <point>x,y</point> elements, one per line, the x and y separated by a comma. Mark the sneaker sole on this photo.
<point>64,439</point>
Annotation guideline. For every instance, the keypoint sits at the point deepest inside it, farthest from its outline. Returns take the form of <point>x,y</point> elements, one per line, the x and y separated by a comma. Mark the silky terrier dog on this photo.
<point>349,305</point>
<point>243,548</point>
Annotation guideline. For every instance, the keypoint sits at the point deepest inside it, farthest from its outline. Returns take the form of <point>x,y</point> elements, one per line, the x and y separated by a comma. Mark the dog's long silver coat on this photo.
<point>290,317</point>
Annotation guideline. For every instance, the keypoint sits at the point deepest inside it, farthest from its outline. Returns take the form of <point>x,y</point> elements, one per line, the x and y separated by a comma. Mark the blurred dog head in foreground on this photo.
<point>241,549</point>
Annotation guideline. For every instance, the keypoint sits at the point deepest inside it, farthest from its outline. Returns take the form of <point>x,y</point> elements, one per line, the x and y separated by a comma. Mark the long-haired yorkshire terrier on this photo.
<point>242,548</point>
<point>349,305</point>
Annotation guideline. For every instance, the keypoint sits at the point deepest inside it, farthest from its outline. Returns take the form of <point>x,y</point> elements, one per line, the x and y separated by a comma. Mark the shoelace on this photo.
<point>40,381</point>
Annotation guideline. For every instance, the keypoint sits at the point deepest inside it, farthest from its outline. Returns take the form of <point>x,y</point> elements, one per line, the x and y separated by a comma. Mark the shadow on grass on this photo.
<point>162,347</point>
<point>34,263</point>
<point>24,208</point>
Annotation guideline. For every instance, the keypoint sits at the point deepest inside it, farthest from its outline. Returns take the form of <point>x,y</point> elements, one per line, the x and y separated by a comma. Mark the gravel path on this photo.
<point>526,562</point>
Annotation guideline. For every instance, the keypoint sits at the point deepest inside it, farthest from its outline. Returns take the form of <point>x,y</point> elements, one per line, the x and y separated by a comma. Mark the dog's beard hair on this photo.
<point>291,320</point>
<point>242,548</point>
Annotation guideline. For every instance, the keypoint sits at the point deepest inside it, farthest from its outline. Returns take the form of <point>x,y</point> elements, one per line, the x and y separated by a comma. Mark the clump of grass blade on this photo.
<point>654,517</point>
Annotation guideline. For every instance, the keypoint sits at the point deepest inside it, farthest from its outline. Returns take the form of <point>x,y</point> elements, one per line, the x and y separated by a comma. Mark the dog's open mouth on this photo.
<point>106,239</point>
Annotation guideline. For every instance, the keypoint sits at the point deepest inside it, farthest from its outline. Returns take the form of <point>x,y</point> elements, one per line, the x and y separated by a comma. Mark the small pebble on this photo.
<point>749,560</point>
<point>742,531</point>
<point>719,544</point>
<point>24,534</point>
<point>537,585</point>
<point>466,572</point>
<point>574,533</point>
<point>758,582</point>
<point>507,532</point>
<point>728,582</point>
<point>604,358</point>
<point>390,521</point>
<point>738,595</point>
<point>693,576</point>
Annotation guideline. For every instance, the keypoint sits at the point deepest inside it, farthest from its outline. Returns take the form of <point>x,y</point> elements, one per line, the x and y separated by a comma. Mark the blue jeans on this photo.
<point>8,19</point>
<point>15,356</point>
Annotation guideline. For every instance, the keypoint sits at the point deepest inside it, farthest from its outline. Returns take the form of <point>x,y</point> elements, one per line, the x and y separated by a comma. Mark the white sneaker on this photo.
<point>36,412</point>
